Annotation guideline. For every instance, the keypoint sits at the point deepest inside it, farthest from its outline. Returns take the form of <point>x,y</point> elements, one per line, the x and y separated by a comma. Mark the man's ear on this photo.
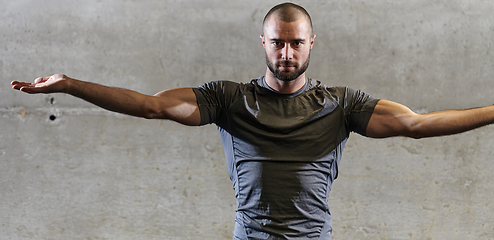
<point>262,38</point>
<point>312,40</point>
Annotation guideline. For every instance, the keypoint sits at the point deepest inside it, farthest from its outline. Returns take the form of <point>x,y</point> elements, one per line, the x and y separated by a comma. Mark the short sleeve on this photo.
<point>359,107</point>
<point>214,98</point>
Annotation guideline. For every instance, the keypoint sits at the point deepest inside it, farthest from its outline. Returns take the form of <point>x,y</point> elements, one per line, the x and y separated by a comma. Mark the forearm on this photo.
<point>391,119</point>
<point>111,98</point>
<point>451,122</point>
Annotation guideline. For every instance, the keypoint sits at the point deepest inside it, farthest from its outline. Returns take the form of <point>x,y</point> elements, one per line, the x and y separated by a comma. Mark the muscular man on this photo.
<point>283,133</point>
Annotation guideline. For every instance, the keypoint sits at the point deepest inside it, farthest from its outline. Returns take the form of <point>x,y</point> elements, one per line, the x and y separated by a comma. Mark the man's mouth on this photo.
<point>286,66</point>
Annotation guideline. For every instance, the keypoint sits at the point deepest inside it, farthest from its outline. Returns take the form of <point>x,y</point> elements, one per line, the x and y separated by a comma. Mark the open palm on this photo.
<point>50,84</point>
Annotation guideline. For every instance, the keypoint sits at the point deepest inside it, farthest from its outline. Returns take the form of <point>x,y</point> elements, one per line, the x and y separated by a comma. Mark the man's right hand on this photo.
<point>52,84</point>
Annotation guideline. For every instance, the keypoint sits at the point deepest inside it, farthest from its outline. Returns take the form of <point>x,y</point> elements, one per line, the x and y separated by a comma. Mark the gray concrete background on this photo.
<point>91,174</point>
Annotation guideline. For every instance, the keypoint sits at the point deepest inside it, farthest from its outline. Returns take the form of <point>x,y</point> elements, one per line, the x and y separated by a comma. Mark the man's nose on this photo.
<point>287,52</point>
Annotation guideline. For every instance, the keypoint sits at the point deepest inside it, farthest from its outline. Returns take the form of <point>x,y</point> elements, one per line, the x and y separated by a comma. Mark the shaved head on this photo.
<point>287,12</point>
<point>287,39</point>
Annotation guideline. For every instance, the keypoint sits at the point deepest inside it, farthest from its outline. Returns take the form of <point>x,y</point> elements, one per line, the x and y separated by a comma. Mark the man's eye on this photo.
<point>278,44</point>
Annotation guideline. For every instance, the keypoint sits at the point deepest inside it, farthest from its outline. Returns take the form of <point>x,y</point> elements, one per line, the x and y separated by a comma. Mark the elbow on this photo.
<point>153,113</point>
<point>414,127</point>
<point>415,131</point>
<point>149,116</point>
<point>152,110</point>
<point>416,136</point>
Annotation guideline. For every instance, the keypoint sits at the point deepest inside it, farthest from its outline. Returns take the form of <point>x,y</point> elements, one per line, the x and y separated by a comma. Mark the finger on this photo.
<point>32,89</point>
<point>17,85</point>
<point>15,82</point>
<point>21,83</point>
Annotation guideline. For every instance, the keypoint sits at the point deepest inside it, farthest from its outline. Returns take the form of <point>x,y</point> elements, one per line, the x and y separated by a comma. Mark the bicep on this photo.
<point>179,105</point>
<point>391,119</point>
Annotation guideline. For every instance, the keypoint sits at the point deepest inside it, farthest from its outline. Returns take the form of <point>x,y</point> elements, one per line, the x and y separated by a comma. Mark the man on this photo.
<point>283,133</point>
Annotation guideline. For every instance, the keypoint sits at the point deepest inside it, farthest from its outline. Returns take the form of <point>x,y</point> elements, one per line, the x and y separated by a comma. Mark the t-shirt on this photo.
<point>282,151</point>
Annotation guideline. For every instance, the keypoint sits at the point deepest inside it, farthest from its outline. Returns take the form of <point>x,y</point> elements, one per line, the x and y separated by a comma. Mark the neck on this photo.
<point>284,86</point>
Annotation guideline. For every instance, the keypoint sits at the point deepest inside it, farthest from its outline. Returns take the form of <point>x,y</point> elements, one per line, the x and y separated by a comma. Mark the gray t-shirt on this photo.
<point>283,151</point>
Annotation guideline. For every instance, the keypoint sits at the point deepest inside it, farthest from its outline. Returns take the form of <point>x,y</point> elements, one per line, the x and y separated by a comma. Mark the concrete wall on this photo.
<point>69,170</point>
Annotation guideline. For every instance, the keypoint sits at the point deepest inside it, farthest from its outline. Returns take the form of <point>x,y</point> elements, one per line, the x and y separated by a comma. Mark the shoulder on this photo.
<point>227,84</point>
<point>225,91</point>
<point>314,84</point>
<point>218,85</point>
<point>345,95</point>
<point>338,92</point>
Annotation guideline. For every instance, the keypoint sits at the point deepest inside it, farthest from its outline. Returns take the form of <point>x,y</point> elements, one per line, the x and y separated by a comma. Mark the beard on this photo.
<point>286,76</point>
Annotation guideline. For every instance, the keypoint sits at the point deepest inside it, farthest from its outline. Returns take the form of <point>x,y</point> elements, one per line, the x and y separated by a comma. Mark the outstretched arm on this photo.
<point>175,104</point>
<point>392,119</point>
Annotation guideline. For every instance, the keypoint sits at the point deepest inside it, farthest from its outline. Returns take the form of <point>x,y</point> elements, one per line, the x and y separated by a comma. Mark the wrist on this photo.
<point>69,85</point>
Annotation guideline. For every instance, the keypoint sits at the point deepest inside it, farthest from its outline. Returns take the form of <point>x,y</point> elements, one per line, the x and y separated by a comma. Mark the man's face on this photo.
<point>287,46</point>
